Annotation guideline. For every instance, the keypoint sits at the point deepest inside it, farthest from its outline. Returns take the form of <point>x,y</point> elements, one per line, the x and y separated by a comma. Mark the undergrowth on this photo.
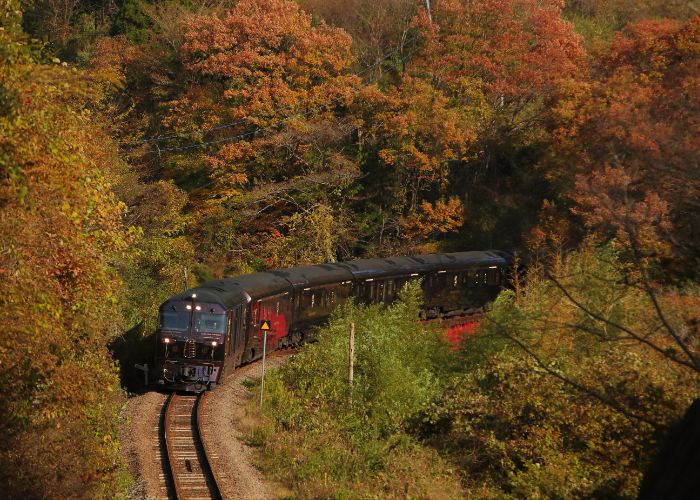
<point>544,402</point>
<point>321,440</point>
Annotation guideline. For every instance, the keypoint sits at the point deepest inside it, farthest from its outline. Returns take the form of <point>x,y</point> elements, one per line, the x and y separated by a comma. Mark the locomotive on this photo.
<point>216,327</point>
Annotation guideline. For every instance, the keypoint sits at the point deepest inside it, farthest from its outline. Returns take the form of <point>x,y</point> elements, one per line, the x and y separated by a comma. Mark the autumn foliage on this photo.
<point>147,146</point>
<point>62,230</point>
<point>518,49</point>
<point>260,64</point>
<point>635,135</point>
<point>435,219</point>
<point>568,380</point>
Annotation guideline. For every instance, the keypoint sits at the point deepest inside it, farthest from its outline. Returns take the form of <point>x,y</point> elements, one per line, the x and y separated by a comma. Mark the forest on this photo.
<point>147,146</point>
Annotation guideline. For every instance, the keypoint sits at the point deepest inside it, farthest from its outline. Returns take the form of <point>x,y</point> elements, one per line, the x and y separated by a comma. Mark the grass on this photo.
<point>310,438</point>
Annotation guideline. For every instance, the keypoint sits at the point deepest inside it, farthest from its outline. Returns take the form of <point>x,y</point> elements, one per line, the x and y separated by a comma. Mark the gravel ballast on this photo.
<point>230,457</point>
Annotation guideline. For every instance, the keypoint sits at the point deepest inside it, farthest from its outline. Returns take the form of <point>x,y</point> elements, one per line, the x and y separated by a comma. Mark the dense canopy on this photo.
<point>147,147</point>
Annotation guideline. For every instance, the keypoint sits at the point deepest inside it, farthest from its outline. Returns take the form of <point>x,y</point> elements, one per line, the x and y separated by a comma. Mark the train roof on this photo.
<point>208,294</point>
<point>256,285</point>
<point>232,291</point>
<point>376,268</point>
<point>315,275</point>
<point>457,260</point>
<point>396,266</point>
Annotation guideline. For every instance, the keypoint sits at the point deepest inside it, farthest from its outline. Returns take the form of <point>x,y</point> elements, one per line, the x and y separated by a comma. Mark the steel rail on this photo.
<point>189,467</point>
<point>217,480</point>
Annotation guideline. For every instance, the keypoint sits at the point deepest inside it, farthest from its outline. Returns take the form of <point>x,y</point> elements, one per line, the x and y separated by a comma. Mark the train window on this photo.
<point>277,309</point>
<point>438,280</point>
<point>209,322</point>
<point>175,320</point>
<point>465,277</point>
<point>455,280</point>
<point>367,291</point>
<point>493,276</point>
<point>313,299</point>
<point>305,299</point>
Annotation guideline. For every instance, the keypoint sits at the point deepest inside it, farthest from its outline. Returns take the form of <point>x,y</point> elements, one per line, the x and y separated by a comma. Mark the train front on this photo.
<point>191,337</point>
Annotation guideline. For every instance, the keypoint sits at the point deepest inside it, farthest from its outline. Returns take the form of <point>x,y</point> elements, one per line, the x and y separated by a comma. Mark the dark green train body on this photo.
<point>211,329</point>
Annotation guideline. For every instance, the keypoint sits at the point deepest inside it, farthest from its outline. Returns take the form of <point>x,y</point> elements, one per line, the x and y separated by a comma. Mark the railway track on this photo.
<point>457,327</point>
<point>190,474</point>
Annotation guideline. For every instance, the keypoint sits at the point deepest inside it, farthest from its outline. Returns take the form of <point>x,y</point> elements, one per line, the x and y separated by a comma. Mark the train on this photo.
<point>207,331</point>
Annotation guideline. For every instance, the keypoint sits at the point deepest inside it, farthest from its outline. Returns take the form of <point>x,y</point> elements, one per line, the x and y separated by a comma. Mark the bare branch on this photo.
<point>654,300</point>
<point>631,335</point>
<point>580,387</point>
<point>693,362</point>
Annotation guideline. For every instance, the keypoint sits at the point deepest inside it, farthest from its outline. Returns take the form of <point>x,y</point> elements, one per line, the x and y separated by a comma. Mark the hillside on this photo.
<point>147,146</point>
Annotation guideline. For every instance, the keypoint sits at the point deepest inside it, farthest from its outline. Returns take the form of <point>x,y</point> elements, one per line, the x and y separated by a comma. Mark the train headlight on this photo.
<point>214,343</point>
<point>166,340</point>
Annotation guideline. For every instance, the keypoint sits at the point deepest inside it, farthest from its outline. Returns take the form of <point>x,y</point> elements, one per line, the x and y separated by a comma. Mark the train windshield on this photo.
<point>209,323</point>
<point>175,320</point>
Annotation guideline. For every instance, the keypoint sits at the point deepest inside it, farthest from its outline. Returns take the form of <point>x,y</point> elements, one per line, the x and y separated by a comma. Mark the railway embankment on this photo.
<point>222,420</point>
<point>331,426</point>
<point>567,389</point>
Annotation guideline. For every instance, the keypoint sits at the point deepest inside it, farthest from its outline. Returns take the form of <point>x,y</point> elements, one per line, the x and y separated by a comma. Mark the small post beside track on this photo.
<point>144,369</point>
<point>265,327</point>
<point>351,358</point>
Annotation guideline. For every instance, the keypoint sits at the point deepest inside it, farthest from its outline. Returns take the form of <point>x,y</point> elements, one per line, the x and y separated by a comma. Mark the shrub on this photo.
<point>555,403</point>
<point>324,441</point>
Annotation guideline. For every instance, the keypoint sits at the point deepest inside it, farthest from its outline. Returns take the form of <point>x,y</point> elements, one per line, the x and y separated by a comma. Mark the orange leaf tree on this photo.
<point>273,85</point>
<point>634,137</point>
<point>261,63</point>
<point>470,117</point>
<point>61,235</point>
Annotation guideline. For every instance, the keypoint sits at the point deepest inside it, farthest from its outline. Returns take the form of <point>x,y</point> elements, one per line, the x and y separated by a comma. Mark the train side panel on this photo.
<point>297,300</point>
